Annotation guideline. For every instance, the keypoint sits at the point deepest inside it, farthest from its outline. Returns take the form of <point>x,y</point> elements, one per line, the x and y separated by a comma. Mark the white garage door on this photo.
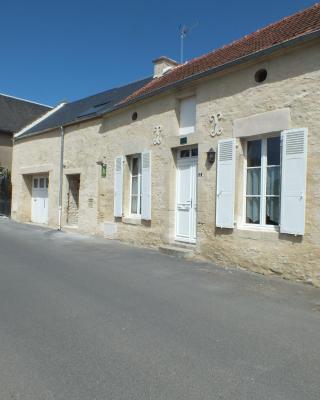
<point>39,206</point>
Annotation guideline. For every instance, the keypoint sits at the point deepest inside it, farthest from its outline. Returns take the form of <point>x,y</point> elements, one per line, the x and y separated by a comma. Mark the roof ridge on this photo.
<point>108,90</point>
<point>248,35</point>
<point>282,32</point>
<point>27,101</point>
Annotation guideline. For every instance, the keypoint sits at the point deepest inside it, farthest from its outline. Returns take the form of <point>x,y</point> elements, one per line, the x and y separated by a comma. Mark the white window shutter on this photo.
<point>146,186</point>
<point>187,115</point>
<point>118,184</point>
<point>293,181</point>
<point>225,183</point>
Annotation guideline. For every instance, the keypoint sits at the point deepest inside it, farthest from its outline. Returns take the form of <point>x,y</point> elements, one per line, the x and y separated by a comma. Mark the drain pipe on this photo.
<point>61,176</point>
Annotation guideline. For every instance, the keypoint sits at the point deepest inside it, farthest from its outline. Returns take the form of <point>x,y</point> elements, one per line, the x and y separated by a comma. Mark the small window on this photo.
<point>47,183</point>
<point>35,183</point>
<point>187,115</point>
<point>261,75</point>
<point>41,183</point>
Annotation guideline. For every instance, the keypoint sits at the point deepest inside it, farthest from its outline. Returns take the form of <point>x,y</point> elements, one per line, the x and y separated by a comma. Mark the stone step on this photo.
<point>176,251</point>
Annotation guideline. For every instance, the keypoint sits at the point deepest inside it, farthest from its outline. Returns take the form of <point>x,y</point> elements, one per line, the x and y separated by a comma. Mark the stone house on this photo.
<point>15,113</point>
<point>219,155</point>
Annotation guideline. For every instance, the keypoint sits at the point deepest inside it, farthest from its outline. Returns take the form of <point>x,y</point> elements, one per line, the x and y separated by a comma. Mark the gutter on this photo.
<point>298,40</point>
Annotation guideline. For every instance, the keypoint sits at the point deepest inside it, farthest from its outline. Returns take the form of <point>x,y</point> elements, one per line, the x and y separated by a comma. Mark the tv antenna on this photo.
<point>184,31</point>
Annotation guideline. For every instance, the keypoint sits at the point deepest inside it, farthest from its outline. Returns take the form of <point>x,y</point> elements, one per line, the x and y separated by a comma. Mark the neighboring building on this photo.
<point>220,153</point>
<point>15,113</point>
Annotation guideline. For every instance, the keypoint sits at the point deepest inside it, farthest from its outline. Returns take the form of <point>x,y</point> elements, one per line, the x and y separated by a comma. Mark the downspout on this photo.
<point>61,176</point>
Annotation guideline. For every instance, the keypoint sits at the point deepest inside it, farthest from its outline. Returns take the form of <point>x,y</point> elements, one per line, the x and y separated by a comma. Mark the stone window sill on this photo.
<point>132,220</point>
<point>257,228</point>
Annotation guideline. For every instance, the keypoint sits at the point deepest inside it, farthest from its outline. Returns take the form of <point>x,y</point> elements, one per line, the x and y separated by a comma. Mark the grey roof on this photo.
<point>16,113</point>
<point>85,108</point>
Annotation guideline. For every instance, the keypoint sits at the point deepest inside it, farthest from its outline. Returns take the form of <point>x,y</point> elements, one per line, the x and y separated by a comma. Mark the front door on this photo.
<point>39,206</point>
<point>186,198</point>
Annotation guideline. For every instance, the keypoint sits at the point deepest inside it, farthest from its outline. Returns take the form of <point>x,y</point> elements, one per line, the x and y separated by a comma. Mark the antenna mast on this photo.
<point>184,31</point>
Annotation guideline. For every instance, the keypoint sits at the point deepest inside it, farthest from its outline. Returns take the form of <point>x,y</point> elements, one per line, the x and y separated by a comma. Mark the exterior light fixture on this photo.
<point>211,156</point>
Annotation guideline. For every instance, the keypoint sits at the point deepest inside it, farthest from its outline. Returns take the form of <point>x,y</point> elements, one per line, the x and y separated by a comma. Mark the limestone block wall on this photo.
<point>292,83</point>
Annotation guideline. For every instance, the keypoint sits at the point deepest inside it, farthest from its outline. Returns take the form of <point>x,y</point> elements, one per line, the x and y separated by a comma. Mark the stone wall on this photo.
<point>292,83</point>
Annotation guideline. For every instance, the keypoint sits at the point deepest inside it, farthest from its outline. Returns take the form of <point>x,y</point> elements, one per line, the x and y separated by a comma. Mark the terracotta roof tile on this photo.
<point>299,24</point>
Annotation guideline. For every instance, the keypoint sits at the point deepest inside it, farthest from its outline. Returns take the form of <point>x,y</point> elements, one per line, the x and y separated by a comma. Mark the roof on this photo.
<point>298,25</point>
<point>15,113</point>
<point>88,107</point>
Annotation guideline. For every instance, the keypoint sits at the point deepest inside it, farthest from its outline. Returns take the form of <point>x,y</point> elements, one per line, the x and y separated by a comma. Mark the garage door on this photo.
<point>39,211</point>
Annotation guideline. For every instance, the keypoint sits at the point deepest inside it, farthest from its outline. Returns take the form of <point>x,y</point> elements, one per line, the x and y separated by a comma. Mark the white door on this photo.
<point>186,198</point>
<point>39,206</point>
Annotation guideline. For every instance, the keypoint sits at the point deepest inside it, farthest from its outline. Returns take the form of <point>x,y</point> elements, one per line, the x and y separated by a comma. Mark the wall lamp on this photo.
<point>211,156</point>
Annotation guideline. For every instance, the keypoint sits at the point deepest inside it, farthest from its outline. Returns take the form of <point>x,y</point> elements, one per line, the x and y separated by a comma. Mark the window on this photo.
<point>135,204</point>
<point>187,115</point>
<point>35,183</point>
<point>263,182</point>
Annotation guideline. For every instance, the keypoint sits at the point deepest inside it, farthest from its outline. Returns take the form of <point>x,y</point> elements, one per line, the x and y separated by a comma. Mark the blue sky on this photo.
<point>64,50</point>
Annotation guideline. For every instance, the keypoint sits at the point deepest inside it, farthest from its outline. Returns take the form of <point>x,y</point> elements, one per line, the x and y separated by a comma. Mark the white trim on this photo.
<point>27,101</point>
<point>37,121</point>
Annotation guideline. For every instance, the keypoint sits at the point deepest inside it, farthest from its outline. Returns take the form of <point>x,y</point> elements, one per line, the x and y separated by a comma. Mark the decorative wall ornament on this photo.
<point>157,131</point>
<point>216,129</point>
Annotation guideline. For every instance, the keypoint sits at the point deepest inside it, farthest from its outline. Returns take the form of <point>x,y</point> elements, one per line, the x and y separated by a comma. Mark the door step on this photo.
<point>179,252</point>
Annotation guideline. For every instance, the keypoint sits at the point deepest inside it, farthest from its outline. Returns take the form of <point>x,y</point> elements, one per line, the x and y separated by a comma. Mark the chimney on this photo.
<point>162,65</point>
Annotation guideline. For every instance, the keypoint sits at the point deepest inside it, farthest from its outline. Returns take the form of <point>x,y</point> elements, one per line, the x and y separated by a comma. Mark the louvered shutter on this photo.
<point>293,181</point>
<point>225,183</point>
<point>187,115</point>
<point>146,186</point>
<point>118,183</point>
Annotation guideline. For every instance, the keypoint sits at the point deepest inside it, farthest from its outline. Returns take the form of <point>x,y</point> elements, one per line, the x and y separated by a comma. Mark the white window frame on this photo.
<point>135,215</point>
<point>243,223</point>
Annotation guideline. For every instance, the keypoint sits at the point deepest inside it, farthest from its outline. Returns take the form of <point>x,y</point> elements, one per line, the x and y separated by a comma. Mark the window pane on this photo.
<point>253,181</point>
<point>272,211</point>
<point>184,153</point>
<point>134,189</point>
<point>35,183</point>
<point>41,182</point>
<point>273,151</point>
<point>135,166</point>
<point>253,210</point>
<point>47,183</point>
<point>134,204</point>
<point>254,153</point>
<point>194,152</point>
<point>273,181</point>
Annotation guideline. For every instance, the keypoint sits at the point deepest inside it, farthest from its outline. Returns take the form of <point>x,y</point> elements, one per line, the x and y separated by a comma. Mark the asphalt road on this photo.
<point>86,318</point>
